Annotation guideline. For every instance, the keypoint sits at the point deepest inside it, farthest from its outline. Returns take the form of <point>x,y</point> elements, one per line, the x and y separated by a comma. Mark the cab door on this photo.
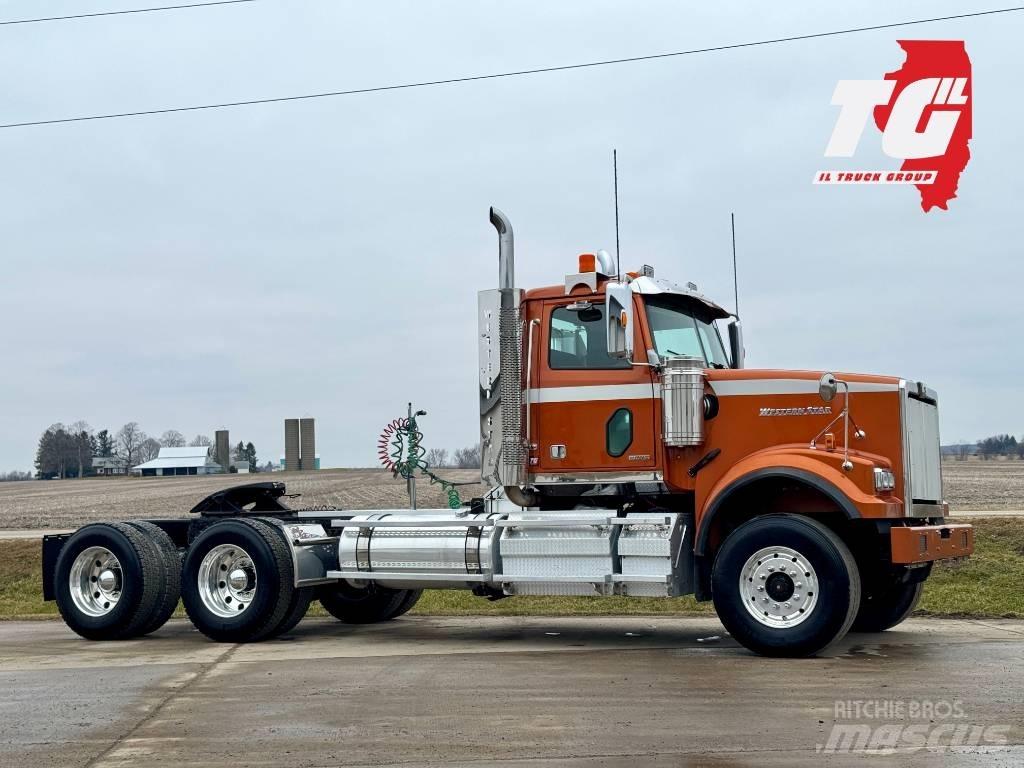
<point>589,412</point>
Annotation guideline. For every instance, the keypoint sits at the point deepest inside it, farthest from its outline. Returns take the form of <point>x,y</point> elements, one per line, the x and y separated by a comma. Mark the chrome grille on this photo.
<point>922,459</point>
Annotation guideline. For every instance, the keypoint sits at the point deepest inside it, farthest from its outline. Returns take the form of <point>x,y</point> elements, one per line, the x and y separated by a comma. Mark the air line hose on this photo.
<point>401,452</point>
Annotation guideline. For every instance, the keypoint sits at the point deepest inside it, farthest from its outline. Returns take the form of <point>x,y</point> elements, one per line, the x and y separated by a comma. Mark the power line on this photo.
<point>123,13</point>
<point>514,73</point>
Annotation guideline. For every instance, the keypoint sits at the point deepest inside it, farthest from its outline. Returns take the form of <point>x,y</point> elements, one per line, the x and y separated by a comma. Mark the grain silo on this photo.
<point>307,444</point>
<point>291,445</point>
<point>222,449</point>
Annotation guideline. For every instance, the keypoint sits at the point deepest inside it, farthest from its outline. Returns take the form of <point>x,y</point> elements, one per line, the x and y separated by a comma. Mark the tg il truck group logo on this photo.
<point>923,111</point>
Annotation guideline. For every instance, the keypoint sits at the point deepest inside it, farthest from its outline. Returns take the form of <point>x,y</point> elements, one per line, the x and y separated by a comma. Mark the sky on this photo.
<point>231,268</point>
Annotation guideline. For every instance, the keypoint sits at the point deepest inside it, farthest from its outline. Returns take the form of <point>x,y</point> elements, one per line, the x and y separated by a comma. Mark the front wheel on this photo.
<point>785,585</point>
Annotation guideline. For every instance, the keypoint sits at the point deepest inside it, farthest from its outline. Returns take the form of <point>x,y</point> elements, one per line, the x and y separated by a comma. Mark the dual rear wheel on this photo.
<point>239,583</point>
<point>116,581</point>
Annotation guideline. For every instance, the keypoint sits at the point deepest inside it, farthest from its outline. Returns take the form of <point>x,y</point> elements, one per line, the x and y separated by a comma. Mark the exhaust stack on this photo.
<point>506,253</point>
<point>502,450</point>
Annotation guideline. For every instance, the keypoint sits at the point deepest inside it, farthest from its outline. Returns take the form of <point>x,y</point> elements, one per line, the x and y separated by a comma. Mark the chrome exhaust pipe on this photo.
<point>513,448</point>
<point>506,253</point>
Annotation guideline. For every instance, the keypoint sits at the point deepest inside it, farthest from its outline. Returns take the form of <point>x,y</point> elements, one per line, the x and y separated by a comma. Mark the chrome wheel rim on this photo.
<point>779,587</point>
<point>227,580</point>
<point>95,581</point>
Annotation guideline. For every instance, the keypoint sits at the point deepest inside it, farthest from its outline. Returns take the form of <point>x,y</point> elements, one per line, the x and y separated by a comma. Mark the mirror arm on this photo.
<point>845,416</point>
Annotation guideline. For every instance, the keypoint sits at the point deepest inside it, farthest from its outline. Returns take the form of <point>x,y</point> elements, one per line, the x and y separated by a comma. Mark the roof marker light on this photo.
<point>588,263</point>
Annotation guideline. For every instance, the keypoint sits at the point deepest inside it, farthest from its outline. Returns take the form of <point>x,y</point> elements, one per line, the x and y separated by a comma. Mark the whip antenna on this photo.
<point>615,174</point>
<point>735,283</point>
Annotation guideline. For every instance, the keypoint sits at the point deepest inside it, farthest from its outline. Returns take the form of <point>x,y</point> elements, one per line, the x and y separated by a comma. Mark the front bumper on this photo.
<point>925,543</point>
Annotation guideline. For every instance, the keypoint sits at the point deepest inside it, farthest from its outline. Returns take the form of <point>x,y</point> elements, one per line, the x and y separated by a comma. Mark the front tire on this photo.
<point>884,608</point>
<point>238,581</point>
<point>369,605</point>
<point>785,585</point>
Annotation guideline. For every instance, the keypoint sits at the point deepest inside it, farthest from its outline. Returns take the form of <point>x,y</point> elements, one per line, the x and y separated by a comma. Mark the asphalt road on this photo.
<point>624,691</point>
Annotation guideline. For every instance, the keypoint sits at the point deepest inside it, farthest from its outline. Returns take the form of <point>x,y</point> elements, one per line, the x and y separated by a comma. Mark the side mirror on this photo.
<point>736,351</point>
<point>618,306</point>
<point>827,387</point>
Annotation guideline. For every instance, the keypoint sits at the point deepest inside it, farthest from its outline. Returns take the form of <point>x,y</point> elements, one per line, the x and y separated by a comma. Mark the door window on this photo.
<point>619,432</point>
<point>578,339</point>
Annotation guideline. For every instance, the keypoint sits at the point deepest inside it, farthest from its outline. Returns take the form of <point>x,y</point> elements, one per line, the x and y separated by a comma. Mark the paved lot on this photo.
<point>622,691</point>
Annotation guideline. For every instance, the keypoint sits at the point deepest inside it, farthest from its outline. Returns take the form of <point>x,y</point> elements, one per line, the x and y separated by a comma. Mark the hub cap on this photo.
<point>227,580</point>
<point>779,587</point>
<point>95,581</point>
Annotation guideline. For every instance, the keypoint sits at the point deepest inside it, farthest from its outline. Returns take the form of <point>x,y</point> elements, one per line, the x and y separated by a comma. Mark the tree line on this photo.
<point>461,458</point>
<point>69,451</point>
<point>1001,445</point>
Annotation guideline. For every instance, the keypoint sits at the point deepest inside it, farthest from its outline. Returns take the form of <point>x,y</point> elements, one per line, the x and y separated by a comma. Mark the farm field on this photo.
<point>977,484</point>
<point>57,504</point>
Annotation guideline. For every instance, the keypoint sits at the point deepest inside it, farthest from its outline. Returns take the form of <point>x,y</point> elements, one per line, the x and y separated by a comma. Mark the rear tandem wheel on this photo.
<point>238,582</point>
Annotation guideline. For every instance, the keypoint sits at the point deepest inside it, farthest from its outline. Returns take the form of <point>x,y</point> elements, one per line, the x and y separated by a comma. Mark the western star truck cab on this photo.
<point>629,453</point>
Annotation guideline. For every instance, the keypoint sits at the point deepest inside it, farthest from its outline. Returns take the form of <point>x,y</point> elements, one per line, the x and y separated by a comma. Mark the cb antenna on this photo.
<point>615,174</point>
<point>735,283</point>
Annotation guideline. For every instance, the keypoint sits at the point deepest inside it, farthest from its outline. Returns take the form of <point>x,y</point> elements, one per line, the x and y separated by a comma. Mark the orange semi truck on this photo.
<point>629,453</point>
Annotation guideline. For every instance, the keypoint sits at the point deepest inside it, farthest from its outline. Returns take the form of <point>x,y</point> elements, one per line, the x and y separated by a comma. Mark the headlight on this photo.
<point>885,480</point>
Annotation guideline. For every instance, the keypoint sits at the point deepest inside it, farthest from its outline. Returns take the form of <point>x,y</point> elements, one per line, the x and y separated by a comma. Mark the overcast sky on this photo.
<point>231,268</point>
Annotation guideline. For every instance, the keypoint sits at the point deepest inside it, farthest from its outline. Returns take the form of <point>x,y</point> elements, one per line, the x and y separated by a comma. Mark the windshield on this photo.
<point>680,328</point>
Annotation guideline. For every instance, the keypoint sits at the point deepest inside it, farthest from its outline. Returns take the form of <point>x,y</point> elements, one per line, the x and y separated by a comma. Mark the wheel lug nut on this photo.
<point>798,585</point>
<point>762,577</point>
<point>760,589</point>
<point>776,606</point>
<point>788,605</point>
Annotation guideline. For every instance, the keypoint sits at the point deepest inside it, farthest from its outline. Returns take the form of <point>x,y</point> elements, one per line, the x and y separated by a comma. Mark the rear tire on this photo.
<point>368,605</point>
<point>238,581</point>
<point>169,562</point>
<point>107,581</point>
<point>785,585</point>
<point>885,608</point>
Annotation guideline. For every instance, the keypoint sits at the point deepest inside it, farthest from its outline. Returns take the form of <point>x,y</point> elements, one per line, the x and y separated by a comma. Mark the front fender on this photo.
<point>820,470</point>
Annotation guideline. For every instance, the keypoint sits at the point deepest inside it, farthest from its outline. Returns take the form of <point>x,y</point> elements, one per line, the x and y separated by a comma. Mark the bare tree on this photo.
<point>468,457</point>
<point>129,439</point>
<point>149,449</point>
<point>172,438</point>
<point>200,441</point>
<point>437,457</point>
<point>15,476</point>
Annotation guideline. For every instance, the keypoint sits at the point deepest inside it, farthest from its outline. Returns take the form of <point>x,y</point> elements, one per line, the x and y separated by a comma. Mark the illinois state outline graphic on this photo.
<point>925,59</point>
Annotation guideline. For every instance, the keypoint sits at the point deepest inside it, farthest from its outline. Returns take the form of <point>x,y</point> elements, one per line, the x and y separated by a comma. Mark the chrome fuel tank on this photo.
<point>437,549</point>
